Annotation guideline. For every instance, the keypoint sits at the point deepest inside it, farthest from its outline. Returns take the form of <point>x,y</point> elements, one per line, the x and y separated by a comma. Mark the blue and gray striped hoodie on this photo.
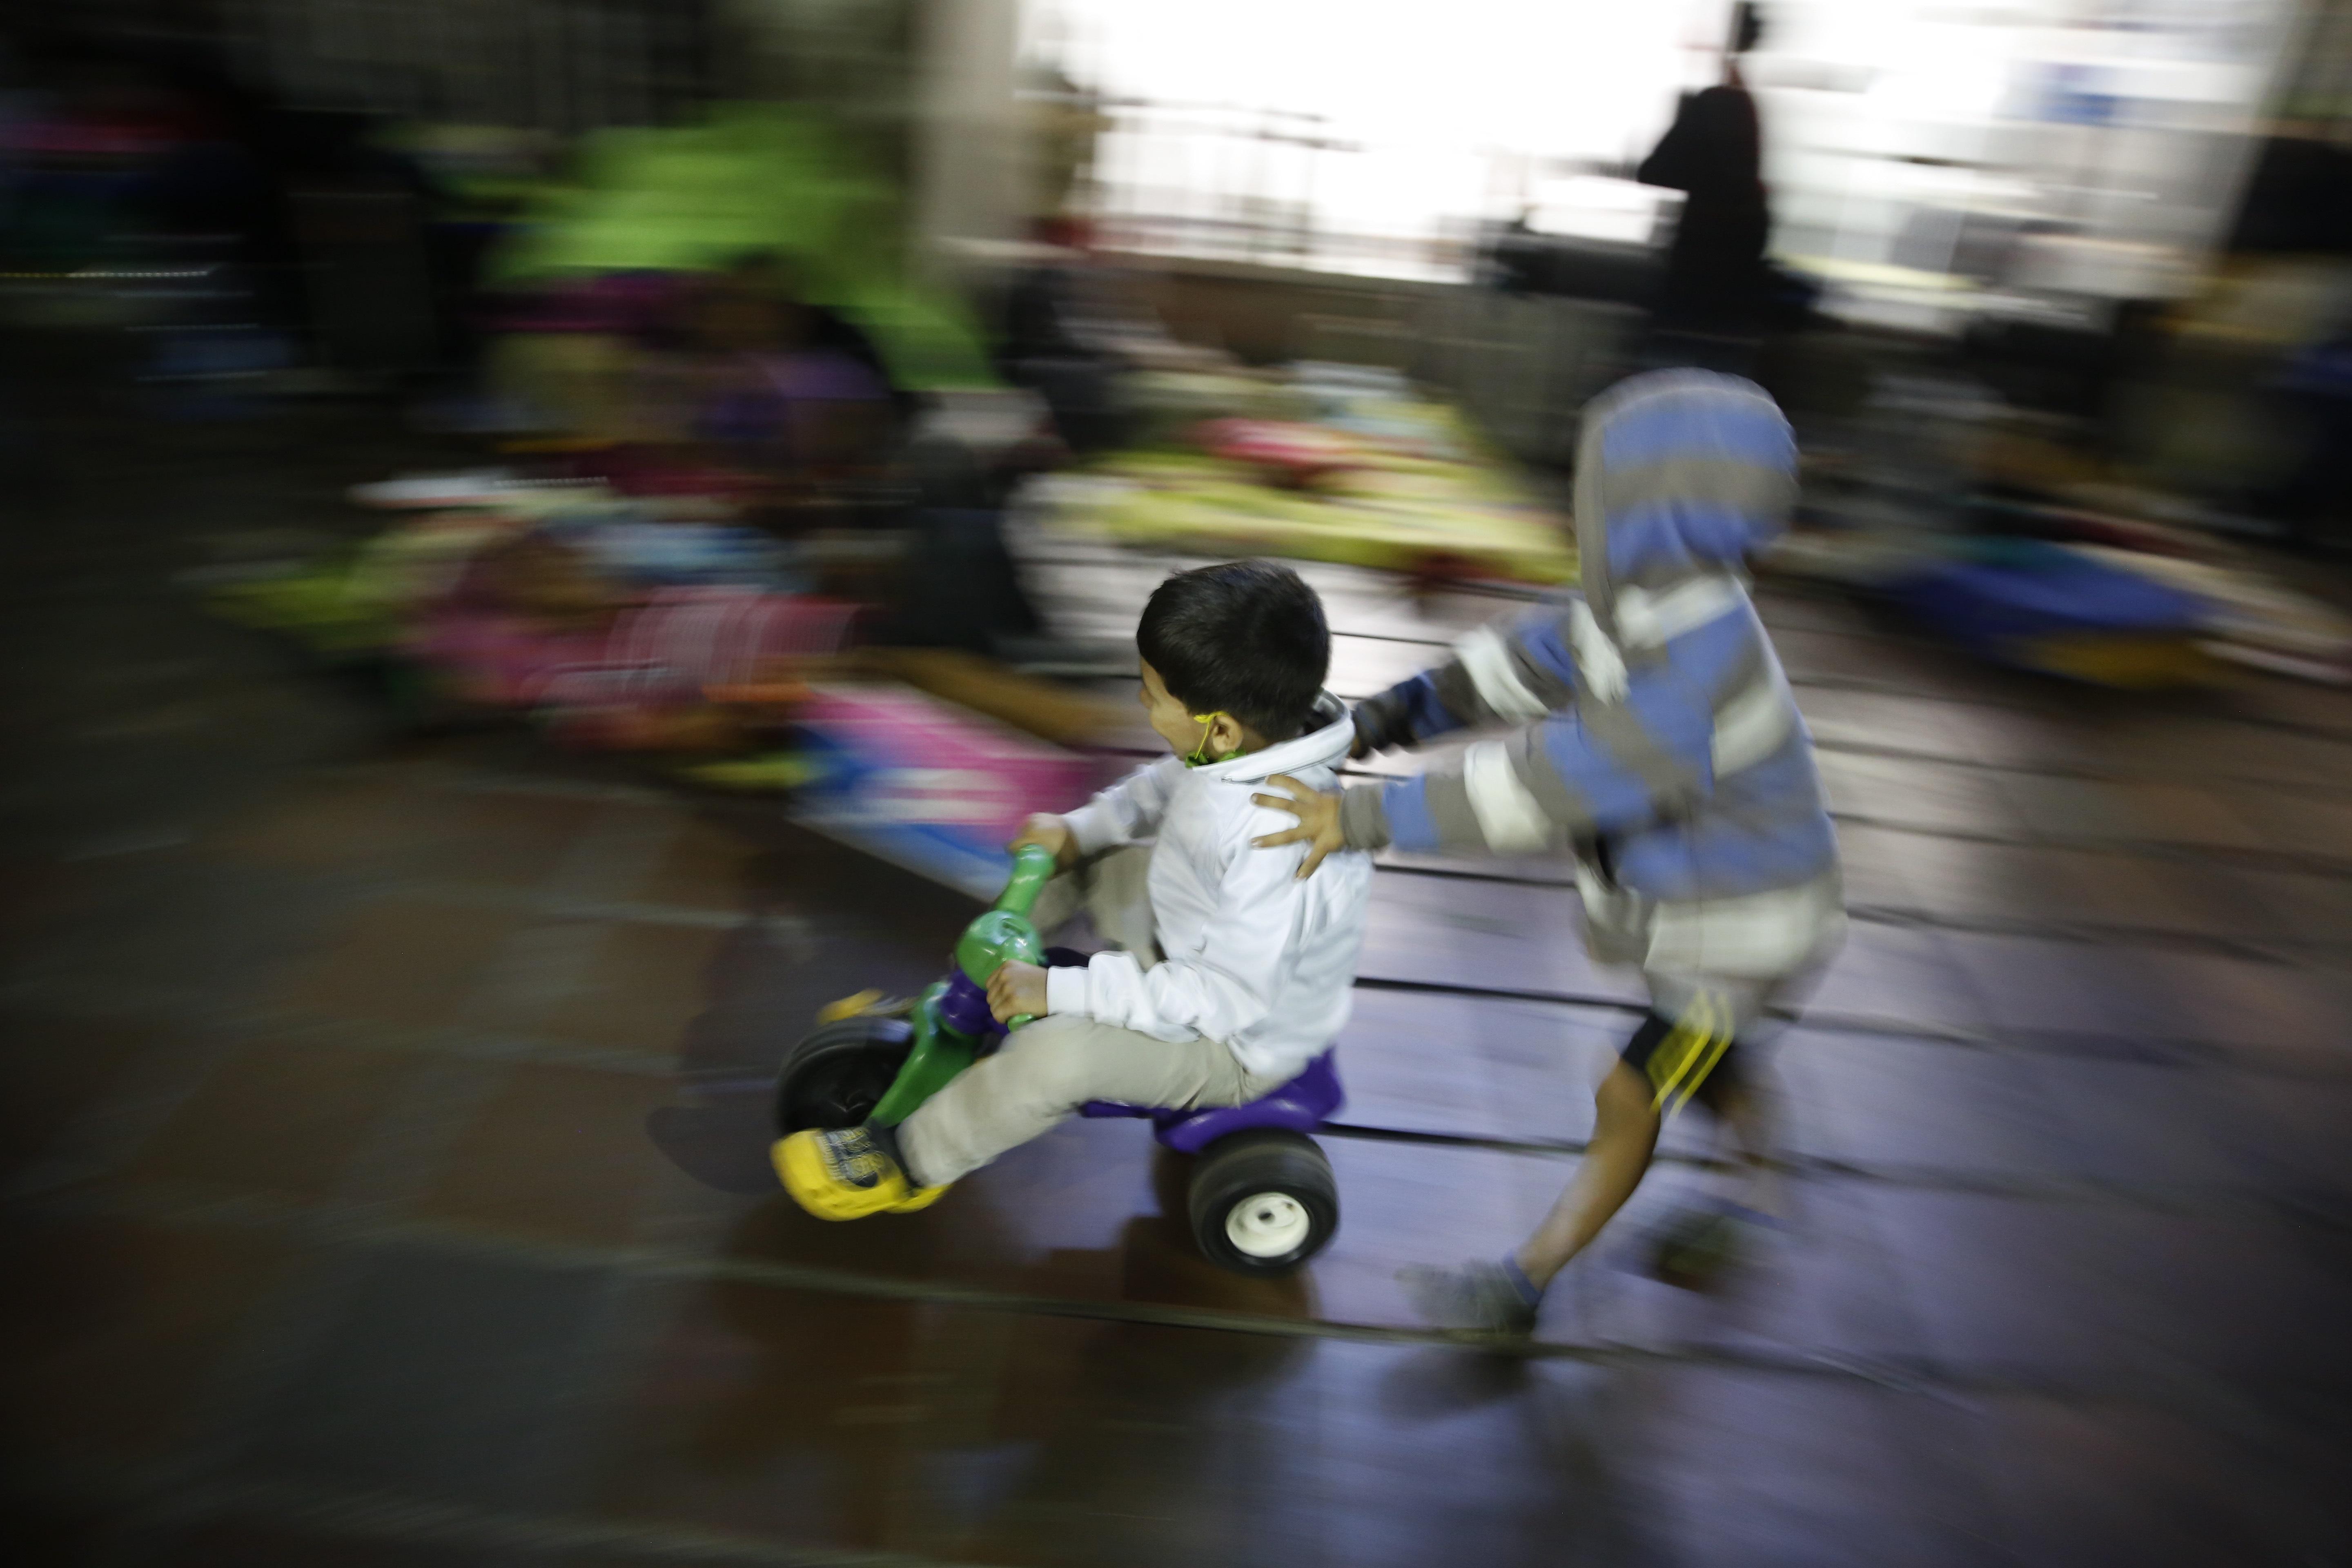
<point>1649,726</point>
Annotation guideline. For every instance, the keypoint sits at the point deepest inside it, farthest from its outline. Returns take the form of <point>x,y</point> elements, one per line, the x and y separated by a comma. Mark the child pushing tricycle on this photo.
<point>1646,726</point>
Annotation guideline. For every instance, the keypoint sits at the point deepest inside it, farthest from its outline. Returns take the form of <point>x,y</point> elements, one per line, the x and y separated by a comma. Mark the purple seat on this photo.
<point>1299,1106</point>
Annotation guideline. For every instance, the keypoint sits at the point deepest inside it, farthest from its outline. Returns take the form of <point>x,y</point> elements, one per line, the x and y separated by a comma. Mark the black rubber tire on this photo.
<point>834,1076</point>
<point>1233,1171</point>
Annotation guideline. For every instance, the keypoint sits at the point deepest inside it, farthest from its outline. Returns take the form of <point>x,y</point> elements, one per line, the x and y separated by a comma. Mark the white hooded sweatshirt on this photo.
<point>1253,957</point>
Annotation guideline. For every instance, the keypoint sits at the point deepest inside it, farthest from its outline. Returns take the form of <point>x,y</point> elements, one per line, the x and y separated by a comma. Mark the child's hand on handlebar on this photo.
<point>1319,822</point>
<point>1015,990</point>
<point>1052,833</point>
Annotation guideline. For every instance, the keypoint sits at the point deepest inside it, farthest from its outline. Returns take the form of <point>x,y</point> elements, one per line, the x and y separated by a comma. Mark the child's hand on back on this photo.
<point>1016,989</point>
<point>1318,821</point>
<point>1052,833</point>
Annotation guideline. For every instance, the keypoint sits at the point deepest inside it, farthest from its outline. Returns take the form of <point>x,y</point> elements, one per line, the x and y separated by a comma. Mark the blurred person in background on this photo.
<point>1715,280</point>
<point>960,587</point>
<point>761,379</point>
<point>2299,210</point>
<point>1054,343</point>
<point>1654,735</point>
<point>784,386</point>
<point>728,385</point>
<point>2313,500</point>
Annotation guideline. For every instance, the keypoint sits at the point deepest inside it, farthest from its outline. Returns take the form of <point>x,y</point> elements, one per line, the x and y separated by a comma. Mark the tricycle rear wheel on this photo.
<point>1263,1202</point>
<point>837,1076</point>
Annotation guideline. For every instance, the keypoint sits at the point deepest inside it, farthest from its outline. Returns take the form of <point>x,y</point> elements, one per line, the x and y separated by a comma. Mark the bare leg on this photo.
<point>1624,1132</point>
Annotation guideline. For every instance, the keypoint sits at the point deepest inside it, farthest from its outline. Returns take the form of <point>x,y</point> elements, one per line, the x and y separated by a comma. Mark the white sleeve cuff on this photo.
<point>1065,989</point>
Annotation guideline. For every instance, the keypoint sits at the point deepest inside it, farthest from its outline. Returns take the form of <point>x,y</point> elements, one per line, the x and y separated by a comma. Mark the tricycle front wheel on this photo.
<point>835,1077</point>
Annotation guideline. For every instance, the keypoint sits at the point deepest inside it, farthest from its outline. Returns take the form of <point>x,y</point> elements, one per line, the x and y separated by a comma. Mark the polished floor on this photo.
<point>384,1133</point>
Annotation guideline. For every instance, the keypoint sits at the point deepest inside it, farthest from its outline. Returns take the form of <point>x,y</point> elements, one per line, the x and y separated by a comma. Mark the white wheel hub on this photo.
<point>1268,1225</point>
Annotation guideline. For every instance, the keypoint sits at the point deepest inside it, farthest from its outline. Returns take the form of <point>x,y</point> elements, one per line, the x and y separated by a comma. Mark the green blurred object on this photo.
<point>770,770</point>
<point>1418,489</point>
<point>317,605</point>
<point>354,600</point>
<point>753,180</point>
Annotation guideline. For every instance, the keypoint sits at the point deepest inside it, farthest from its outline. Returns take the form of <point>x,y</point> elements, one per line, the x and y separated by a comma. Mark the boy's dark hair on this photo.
<point>1246,637</point>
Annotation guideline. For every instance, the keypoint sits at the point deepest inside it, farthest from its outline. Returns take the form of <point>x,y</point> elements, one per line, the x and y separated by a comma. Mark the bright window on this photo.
<point>1377,134</point>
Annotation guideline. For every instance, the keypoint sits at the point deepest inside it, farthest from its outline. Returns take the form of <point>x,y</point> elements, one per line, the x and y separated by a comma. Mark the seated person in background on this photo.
<point>767,381</point>
<point>1235,972</point>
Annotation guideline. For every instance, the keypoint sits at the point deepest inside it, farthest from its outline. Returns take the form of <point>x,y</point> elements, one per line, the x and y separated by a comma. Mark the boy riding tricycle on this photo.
<point>1212,1013</point>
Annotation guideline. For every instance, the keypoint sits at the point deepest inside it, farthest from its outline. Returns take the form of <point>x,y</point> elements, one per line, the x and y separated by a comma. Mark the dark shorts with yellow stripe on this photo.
<point>1691,1057</point>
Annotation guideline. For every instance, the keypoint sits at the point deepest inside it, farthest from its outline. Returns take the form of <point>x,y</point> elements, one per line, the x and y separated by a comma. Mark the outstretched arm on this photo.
<point>1511,675</point>
<point>1595,770</point>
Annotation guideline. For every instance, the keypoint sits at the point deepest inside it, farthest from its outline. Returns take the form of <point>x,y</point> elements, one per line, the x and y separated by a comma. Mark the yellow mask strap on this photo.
<point>1199,756</point>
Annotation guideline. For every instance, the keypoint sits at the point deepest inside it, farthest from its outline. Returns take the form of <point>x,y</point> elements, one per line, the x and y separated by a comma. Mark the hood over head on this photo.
<point>1680,474</point>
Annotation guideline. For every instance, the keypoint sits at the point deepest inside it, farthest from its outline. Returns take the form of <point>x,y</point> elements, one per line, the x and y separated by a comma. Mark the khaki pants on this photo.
<point>1045,1071</point>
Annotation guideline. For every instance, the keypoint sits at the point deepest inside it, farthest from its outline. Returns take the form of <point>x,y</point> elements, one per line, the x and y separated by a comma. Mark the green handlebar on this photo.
<point>1032,867</point>
<point>1004,933</point>
<point>939,1051</point>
